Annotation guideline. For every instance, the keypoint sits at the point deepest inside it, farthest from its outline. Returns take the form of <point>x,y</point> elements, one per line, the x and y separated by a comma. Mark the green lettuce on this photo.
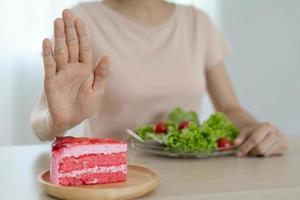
<point>178,115</point>
<point>219,126</point>
<point>145,131</point>
<point>194,138</point>
<point>191,139</point>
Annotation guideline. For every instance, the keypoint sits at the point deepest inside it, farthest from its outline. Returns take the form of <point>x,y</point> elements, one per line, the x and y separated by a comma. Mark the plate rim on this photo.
<point>217,153</point>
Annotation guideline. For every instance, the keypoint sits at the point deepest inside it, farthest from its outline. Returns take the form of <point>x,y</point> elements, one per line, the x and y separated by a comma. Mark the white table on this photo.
<point>216,178</point>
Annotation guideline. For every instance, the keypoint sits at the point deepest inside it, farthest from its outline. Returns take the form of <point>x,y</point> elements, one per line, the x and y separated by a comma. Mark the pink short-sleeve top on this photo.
<point>152,69</point>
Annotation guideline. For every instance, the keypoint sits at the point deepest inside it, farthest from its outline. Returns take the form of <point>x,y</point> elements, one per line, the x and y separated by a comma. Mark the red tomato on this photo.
<point>160,127</point>
<point>183,125</point>
<point>224,144</point>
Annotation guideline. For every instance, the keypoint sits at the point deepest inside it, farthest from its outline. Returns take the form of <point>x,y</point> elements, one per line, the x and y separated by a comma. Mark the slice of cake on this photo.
<point>84,161</point>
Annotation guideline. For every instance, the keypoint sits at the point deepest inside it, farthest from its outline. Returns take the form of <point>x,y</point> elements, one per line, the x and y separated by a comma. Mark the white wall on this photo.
<point>265,62</point>
<point>23,28</point>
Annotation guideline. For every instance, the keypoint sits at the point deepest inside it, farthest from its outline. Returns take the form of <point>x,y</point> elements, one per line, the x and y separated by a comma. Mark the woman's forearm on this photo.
<point>240,117</point>
<point>224,98</point>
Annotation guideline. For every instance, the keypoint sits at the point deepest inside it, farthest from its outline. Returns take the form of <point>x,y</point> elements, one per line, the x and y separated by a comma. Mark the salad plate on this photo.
<point>183,136</point>
<point>160,150</point>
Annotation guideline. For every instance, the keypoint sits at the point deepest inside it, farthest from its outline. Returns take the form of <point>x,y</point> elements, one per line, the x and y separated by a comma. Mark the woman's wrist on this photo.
<point>240,117</point>
<point>54,129</point>
<point>44,127</point>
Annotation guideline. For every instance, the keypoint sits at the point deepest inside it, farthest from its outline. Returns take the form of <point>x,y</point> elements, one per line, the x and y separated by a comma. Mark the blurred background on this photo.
<point>264,64</point>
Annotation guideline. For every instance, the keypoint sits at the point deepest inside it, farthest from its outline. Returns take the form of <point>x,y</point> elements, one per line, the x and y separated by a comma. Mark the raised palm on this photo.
<point>74,87</point>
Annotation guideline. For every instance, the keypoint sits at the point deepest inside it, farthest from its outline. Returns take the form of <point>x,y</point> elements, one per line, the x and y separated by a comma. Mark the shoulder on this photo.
<point>193,14</point>
<point>81,9</point>
<point>86,9</point>
<point>85,6</point>
<point>94,14</point>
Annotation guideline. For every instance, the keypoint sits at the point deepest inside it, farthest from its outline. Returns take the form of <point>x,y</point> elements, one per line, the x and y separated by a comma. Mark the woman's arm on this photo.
<point>255,138</point>
<point>224,98</point>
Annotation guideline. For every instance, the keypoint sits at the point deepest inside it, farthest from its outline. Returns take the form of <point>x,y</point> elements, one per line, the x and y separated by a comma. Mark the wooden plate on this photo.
<point>140,181</point>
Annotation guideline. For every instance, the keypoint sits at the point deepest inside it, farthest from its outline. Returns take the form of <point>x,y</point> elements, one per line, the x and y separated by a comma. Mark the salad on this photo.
<point>182,132</point>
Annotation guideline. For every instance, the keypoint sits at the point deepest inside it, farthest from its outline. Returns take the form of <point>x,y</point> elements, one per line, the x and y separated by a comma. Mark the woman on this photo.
<point>154,56</point>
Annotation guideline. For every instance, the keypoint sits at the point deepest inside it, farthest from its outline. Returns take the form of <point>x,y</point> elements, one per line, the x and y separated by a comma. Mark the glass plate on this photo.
<point>158,149</point>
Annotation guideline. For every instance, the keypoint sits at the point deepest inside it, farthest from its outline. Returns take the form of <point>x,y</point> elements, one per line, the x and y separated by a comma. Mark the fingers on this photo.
<point>255,137</point>
<point>71,35</point>
<point>271,150</point>
<point>60,49</point>
<point>263,147</point>
<point>278,147</point>
<point>101,71</point>
<point>274,150</point>
<point>261,139</point>
<point>244,134</point>
<point>71,41</point>
<point>49,63</point>
<point>85,51</point>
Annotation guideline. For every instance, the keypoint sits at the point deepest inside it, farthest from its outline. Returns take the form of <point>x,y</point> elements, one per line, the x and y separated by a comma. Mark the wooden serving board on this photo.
<point>140,181</point>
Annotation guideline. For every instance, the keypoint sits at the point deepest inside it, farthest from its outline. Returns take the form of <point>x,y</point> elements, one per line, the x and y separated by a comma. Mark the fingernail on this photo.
<point>238,141</point>
<point>58,22</point>
<point>66,13</point>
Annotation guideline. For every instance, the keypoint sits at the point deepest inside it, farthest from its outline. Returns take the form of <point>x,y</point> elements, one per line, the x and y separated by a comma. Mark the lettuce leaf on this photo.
<point>217,126</point>
<point>178,115</point>
<point>145,131</point>
<point>191,139</point>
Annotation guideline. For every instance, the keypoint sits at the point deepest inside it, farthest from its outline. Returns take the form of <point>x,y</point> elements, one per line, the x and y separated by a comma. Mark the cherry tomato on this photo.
<point>224,144</point>
<point>184,124</point>
<point>160,127</point>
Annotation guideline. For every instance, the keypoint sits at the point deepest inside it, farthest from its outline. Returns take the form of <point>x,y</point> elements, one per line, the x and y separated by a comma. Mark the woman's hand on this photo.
<point>73,86</point>
<point>261,139</point>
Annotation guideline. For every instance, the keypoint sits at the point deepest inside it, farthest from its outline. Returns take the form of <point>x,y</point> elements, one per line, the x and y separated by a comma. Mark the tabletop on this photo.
<point>213,178</point>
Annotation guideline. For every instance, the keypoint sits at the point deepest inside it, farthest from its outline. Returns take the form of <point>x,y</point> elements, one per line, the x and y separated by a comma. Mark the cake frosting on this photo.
<point>82,161</point>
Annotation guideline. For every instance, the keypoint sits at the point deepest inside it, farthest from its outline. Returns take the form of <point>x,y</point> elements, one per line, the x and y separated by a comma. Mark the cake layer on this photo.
<point>55,177</point>
<point>79,150</point>
<point>87,179</point>
<point>110,169</point>
<point>69,141</point>
<point>68,164</point>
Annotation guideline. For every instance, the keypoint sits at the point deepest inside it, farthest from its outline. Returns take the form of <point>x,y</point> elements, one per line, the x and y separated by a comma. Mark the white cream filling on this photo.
<point>105,149</point>
<point>111,169</point>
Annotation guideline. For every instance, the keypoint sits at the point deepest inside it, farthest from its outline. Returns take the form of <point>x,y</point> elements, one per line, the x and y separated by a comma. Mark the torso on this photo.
<point>152,69</point>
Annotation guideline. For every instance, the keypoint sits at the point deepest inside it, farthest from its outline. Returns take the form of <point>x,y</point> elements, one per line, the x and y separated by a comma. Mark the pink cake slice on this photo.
<point>85,161</point>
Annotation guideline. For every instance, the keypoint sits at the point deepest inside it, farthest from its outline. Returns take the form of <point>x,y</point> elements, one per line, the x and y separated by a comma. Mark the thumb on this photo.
<point>100,74</point>
<point>244,134</point>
